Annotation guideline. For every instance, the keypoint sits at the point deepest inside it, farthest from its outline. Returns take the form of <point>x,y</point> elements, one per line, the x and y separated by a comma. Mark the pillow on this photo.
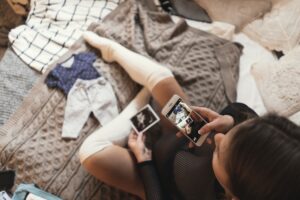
<point>247,91</point>
<point>278,83</point>
<point>236,12</point>
<point>280,29</point>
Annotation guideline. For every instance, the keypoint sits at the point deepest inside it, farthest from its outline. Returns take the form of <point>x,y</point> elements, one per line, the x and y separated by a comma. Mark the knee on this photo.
<point>89,148</point>
<point>156,76</point>
<point>83,152</point>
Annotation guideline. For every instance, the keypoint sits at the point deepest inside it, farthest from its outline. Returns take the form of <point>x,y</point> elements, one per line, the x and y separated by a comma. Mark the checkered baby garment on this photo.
<point>53,26</point>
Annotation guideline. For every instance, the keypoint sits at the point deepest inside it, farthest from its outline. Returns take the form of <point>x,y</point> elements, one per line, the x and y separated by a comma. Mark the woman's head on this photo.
<point>260,159</point>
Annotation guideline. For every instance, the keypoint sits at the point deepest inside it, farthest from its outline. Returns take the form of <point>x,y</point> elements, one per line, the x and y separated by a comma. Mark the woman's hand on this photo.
<point>106,46</point>
<point>137,146</point>
<point>216,122</point>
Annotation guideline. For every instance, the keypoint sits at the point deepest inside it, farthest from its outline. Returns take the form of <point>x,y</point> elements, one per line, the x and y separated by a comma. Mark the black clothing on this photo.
<point>177,172</point>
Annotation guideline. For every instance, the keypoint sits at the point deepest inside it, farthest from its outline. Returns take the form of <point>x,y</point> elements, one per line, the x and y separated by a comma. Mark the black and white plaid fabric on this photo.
<point>53,26</point>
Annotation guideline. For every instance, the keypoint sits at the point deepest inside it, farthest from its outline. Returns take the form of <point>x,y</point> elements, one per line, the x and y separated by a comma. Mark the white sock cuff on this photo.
<point>156,76</point>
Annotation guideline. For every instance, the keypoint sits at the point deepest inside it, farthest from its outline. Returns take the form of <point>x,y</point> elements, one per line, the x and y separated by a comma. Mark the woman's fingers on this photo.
<point>207,128</point>
<point>206,112</point>
<point>179,134</point>
<point>140,138</point>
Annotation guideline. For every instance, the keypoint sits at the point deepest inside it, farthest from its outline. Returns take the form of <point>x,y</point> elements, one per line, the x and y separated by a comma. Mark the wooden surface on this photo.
<point>20,7</point>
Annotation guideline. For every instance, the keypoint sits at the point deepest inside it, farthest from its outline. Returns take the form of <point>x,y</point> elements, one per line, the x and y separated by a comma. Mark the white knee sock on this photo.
<point>116,131</point>
<point>141,69</point>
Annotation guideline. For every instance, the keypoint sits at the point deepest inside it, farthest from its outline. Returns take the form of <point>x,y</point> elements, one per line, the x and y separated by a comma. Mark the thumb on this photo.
<point>207,128</point>
<point>140,137</point>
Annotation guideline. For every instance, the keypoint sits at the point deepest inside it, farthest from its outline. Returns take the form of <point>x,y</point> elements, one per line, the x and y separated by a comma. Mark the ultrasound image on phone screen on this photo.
<point>186,120</point>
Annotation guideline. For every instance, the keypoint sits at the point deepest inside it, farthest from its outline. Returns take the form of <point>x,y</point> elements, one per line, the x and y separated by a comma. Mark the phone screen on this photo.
<point>187,121</point>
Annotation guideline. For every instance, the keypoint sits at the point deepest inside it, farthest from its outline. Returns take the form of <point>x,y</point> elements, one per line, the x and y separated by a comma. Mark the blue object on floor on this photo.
<point>24,189</point>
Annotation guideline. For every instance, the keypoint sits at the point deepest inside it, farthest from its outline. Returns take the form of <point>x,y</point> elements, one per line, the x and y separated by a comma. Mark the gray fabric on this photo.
<point>204,65</point>
<point>31,142</point>
<point>16,80</point>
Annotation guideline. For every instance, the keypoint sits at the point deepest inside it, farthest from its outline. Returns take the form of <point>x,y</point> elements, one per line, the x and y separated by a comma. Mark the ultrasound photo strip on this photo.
<point>144,119</point>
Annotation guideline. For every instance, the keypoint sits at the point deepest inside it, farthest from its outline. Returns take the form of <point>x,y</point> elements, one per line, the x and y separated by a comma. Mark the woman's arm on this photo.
<point>151,181</point>
<point>146,167</point>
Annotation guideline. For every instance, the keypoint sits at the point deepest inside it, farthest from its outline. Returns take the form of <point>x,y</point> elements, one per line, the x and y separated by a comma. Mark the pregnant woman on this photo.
<point>245,157</point>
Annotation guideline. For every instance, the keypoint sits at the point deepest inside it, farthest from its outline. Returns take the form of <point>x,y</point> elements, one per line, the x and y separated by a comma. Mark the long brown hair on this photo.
<point>264,160</point>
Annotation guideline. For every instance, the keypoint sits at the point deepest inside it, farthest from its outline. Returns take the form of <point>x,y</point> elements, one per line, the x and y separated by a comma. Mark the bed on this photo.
<point>72,181</point>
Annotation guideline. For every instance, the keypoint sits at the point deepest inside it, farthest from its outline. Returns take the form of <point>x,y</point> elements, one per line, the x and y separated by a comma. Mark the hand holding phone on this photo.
<point>188,121</point>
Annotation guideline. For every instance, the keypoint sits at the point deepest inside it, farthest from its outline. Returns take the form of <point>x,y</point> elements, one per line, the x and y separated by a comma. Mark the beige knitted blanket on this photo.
<point>31,143</point>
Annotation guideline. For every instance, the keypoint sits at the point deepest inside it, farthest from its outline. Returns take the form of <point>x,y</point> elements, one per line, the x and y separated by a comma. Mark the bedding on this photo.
<point>278,83</point>
<point>247,91</point>
<point>53,26</point>
<point>31,144</point>
<point>16,80</point>
<point>279,29</point>
<point>30,141</point>
<point>62,174</point>
<point>235,12</point>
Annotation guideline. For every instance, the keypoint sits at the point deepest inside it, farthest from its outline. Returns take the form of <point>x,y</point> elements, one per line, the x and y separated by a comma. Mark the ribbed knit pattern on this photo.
<point>15,82</point>
<point>30,141</point>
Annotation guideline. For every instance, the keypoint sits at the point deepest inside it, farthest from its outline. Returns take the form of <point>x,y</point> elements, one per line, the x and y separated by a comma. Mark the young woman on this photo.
<point>247,157</point>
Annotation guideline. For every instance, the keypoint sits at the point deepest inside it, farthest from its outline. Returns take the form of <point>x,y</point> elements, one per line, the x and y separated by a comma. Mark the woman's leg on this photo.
<point>103,155</point>
<point>114,165</point>
<point>158,79</point>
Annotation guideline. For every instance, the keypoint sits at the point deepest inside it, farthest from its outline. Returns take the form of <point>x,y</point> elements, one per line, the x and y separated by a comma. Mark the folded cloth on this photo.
<point>53,26</point>
<point>88,96</point>
<point>16,81</point>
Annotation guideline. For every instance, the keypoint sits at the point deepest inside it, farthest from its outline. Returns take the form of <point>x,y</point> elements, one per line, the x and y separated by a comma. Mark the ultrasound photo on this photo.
<point>144,119</point>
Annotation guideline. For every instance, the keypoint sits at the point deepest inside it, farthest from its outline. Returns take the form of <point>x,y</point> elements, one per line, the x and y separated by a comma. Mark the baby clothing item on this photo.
<point>88,96</point>
<point>64,77</point>
<point>52,27</point>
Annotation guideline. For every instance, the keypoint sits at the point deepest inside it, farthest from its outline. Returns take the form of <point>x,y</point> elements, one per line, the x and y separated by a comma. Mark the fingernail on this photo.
<point>200,132</point>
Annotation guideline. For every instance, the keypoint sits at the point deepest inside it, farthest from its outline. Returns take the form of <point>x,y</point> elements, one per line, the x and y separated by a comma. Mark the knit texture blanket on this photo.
<point>30,142</point>
<point>16,81</point>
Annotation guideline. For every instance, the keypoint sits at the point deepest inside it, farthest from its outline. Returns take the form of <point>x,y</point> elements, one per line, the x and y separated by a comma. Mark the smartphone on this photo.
<point>185,119</point>
<point>144,119</point>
